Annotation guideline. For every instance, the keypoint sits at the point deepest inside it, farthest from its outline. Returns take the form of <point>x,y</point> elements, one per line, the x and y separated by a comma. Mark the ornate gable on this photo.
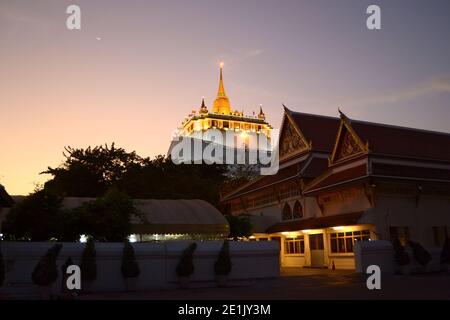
<point>291,139</point>
<point>347,143</point>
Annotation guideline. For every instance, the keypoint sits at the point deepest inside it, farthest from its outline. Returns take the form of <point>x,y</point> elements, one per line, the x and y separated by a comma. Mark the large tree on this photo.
<point>90,172</point>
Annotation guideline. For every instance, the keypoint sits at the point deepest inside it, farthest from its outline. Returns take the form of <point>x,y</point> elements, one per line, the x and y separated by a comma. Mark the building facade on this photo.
<point>342,181</point>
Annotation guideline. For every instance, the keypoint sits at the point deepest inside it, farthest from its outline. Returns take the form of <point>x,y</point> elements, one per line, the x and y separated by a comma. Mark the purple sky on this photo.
<point>156,59</point>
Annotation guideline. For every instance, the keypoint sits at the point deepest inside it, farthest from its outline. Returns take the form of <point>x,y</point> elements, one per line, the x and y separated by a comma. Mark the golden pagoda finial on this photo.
<point>221,104</point>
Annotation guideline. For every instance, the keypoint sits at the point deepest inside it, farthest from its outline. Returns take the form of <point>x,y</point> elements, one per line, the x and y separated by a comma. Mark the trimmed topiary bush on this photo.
<point>185,266</point>
<point>223,265</point>
<point>88,266</point>
<point>130,267</point>
<point>421,255</point>
<point>401,256</point>
<point>46,272</point>
<point>445,253</point>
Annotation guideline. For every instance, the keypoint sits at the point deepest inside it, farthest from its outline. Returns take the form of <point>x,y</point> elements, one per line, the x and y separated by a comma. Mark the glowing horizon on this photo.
<point>121,77</point>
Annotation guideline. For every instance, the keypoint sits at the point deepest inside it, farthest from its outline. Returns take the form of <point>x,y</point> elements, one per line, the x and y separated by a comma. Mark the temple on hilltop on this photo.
<point>224,118</point>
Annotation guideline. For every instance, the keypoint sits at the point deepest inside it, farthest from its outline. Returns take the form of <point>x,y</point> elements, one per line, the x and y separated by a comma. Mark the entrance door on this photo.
<point>316,249</point>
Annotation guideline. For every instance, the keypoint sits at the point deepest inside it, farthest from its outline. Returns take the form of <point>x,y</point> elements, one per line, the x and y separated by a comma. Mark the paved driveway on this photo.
<point>303,284</point>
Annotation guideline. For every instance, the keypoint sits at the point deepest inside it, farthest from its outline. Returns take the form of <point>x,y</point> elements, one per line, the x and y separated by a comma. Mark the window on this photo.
<point>342,242</point>
<point>286,214</point>
<point>294,245</point>
<point>400,233</point>
<point>297,211</point>
<point>439,235</point>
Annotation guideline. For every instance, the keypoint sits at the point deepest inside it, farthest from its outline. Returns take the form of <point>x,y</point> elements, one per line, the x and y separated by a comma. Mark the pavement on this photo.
<point>304,284</point>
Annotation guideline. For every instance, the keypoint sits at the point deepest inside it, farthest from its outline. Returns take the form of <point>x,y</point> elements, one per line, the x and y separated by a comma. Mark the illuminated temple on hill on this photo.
<point>224,118</point>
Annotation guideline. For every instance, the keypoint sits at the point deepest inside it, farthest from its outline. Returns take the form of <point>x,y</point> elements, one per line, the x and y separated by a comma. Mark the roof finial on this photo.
<point>221,104</point>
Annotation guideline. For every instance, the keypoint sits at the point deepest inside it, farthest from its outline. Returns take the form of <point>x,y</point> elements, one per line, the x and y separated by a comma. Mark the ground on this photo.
<point>302,284</point>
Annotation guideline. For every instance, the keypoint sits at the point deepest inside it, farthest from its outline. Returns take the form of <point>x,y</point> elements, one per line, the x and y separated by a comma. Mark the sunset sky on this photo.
<point>137,68</point>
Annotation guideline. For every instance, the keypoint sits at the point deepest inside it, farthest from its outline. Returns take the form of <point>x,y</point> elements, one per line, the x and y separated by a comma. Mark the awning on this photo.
<point>317,223</point>
<point>178,217</point>
<point>170,216</point>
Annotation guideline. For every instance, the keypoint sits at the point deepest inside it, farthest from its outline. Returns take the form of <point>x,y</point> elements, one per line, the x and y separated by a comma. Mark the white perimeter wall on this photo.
<point>157,262</point>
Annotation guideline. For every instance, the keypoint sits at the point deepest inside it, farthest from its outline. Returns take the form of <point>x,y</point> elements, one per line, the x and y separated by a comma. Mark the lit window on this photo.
<point>294,245</point>
<point>343,242</point>
<point>439,235</point>
<point>400,233</point>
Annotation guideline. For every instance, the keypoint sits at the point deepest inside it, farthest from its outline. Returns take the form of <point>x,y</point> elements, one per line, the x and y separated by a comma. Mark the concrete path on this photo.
<point>303,284</point>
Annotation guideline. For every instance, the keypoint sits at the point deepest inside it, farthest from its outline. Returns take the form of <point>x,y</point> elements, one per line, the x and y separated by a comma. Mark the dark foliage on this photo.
<point>401,256</point>
<point>88,266</point>
<point>185,266</point>
<point>90,172</point>
<point>2,266</point>
<point>130,267</point>
<point>223,263</point>
<point>46,271</point>
<point>240,226</point>
<point>421,255</point>
<point>445,253</point>
<point>38,218</point>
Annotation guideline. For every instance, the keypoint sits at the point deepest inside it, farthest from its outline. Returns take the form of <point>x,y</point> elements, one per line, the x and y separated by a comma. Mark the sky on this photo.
<point>135,69</point>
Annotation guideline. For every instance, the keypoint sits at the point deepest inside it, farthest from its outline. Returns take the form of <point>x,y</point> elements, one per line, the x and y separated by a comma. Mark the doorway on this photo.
<point>316,249</point>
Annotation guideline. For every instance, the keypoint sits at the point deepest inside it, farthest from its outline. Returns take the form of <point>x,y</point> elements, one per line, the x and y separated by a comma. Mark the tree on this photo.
<point>185,266</point>
<point>130,267</point>
<point>401,256</point>
<point>240,226</point>
<point>88,266</point>
<point>2,266</point>
<point>445,253</point>
<point>107,218</point>
<point>421,255</point>
<point>222,266</point>
<point>90,172</point>
<point>36,218</point>
<point>46,271</point>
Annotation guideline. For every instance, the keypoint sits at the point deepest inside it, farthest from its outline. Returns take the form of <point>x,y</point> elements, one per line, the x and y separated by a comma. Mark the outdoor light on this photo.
<point>83,238</point>
<point>338,228</point>
<point>306,231</point>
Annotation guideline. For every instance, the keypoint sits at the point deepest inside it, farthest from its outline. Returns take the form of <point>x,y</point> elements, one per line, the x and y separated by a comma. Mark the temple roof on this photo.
<point>320,130</point>
<point>403,141</point>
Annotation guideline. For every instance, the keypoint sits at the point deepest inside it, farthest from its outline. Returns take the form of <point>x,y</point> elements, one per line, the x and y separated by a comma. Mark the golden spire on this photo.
<point>221,104</point>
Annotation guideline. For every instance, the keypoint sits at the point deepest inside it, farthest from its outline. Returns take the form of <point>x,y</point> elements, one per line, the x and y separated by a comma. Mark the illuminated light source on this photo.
<point>338,228</point>
<point>306,231</point>
<point>285,233</point>
<point>132,238</point>
<point>83,238</point>
<point>252,237</point>
<point>221,64</point>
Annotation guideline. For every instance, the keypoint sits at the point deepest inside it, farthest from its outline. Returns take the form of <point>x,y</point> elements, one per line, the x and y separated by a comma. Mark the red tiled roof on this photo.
<point>315,168</point>
<point>402,141</point>
<point>382,169</point>
<point>321,130</point>
<point>340,176</point>
<point>282,174</point>
<point>317,223</point>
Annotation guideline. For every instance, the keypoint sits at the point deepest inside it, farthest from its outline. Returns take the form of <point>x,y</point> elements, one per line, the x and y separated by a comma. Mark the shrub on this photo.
<point>401,256</point>
<point>421,255</point>
<point>445,253</point>
<point>223,262</point>
<point>185,266</point>
<point>46,272</point>
<point>2,266</point>
<point>88,266</point>
<point>130,267</point>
